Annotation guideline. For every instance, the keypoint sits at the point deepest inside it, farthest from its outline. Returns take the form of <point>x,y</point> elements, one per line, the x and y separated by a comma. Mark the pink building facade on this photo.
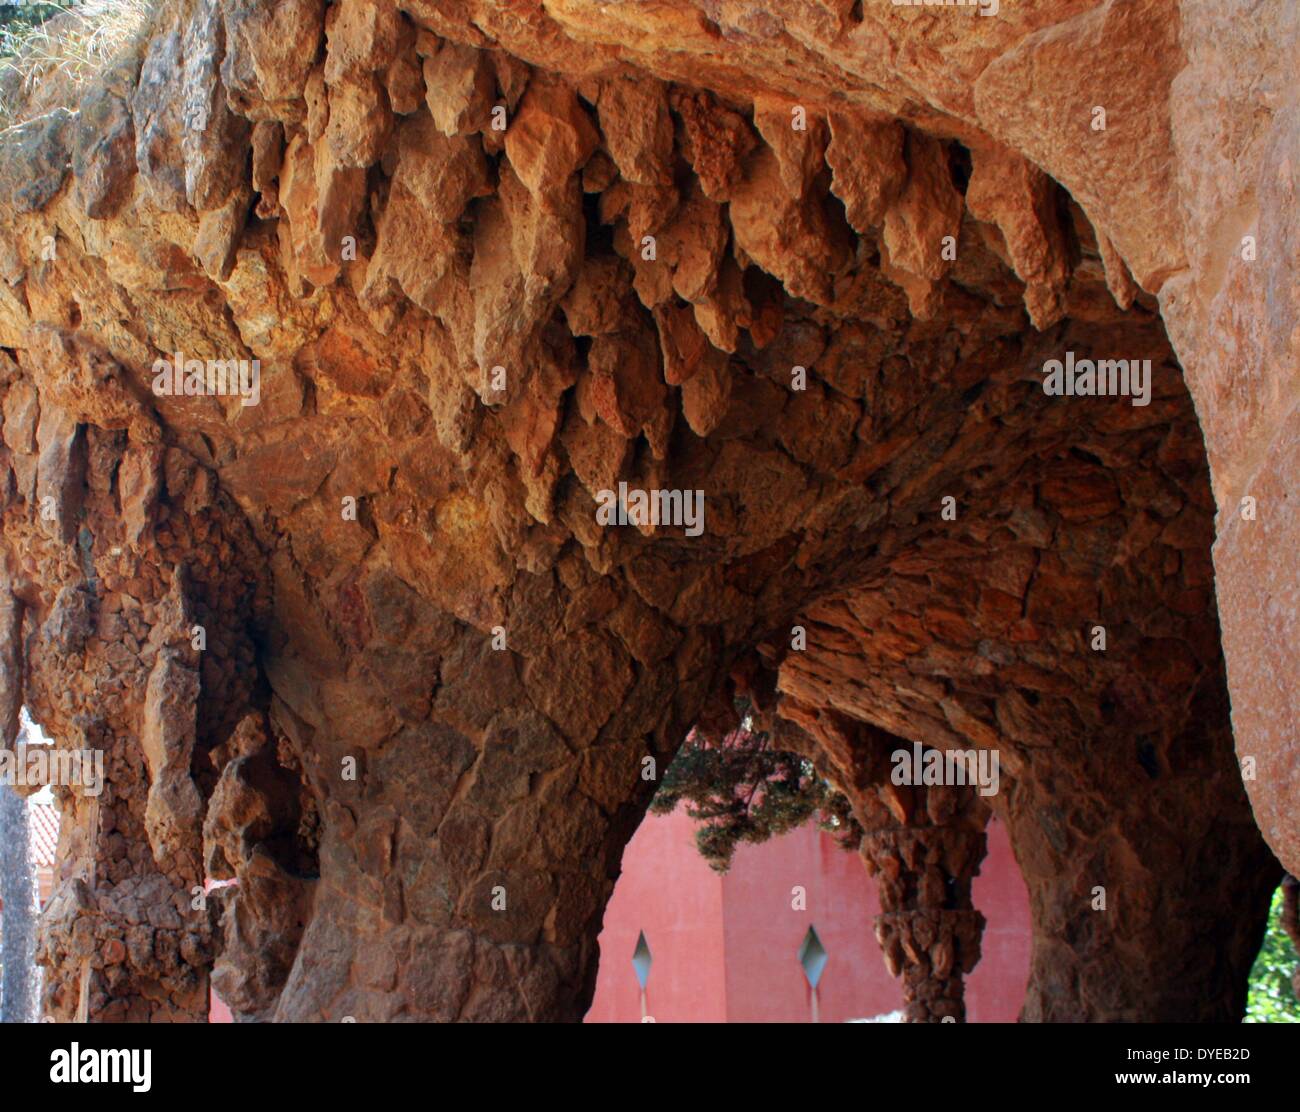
<point>724,948</point>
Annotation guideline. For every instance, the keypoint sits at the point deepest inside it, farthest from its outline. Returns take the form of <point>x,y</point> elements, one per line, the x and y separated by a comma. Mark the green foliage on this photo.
<point>1272,996</point>
<point>17,20</point>
<point>45,62</point>
<point>745,791</point>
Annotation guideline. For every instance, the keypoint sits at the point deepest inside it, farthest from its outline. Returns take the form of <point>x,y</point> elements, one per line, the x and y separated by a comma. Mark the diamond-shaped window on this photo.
<point>641,959</point>
<point>812,956</point>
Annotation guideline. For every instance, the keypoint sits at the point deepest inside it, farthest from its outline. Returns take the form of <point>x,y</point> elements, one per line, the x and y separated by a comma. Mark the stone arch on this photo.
<point>417,746</point>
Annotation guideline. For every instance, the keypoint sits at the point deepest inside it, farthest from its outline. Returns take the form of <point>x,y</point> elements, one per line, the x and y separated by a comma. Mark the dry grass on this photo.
<point>48,65</point>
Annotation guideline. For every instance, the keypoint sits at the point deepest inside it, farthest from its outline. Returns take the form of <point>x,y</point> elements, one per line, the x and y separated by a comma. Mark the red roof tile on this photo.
<point>43,819</point>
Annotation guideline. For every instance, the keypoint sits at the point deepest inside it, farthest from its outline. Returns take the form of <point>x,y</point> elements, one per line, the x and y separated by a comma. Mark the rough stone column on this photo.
<point>1137,919</point>
<point>922,844</point>
<point>121,938</point>
<point>129,593</point>
<point>466,852</point>
<point>924,848</point>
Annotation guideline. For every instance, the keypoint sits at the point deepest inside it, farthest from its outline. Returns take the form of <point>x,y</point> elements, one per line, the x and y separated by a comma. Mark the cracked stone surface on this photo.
<point>365,646</point>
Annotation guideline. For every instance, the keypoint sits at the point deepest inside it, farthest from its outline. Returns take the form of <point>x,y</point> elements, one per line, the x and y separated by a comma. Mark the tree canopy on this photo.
<point>743,789</point>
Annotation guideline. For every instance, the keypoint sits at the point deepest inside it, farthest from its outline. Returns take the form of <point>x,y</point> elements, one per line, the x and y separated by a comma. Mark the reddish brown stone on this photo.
<point>430,679</point>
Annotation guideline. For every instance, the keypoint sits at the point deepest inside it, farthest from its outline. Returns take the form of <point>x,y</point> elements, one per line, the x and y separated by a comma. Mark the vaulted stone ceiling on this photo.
<point>495,259</point>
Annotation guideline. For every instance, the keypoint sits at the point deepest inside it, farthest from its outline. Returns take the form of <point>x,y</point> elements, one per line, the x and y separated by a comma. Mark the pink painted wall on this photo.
<point>996,989</point>
<point>725,947</point>
<point>669,892</point>
<point>218,1012</point>
<point>765,982</point>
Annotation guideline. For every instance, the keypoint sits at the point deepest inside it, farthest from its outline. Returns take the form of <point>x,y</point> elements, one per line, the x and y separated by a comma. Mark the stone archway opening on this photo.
<point>749,846</point>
